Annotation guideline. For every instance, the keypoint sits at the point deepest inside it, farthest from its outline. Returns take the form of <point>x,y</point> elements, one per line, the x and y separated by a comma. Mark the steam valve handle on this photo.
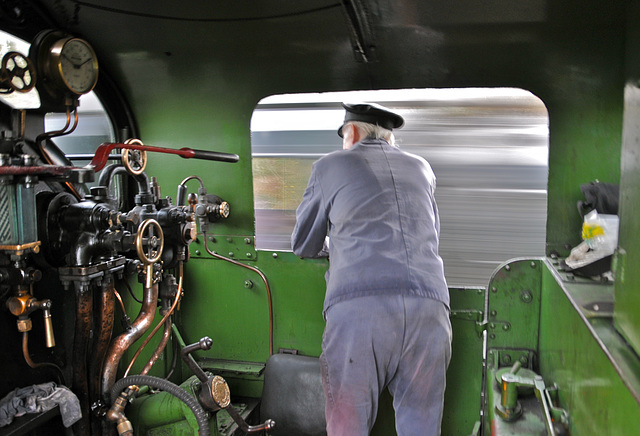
<point>134,160</point>
<point>149,246</point>
<point>50,340</point>
<point>17,74</point>
<point>102,153</point>
<point>215,394</point>
<point>149,241</point>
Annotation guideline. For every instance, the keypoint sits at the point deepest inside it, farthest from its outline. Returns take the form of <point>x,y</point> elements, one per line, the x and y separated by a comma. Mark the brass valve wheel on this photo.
<point>134,161</point>
<point>18,73</point>
<point>149,241</point>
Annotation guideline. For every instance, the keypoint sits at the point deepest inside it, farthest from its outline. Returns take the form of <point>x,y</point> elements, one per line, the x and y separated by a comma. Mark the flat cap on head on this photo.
<point>371,113</point>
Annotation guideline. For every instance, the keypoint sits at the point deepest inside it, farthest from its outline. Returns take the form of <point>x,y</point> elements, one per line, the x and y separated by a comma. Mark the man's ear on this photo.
<point>349,136</point>
<point>356,134</point>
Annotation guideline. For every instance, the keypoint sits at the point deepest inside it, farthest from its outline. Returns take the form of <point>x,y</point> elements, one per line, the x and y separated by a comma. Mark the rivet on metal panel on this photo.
<point>492,326</point>
<point>506,326</point>
<point>492,336</point>
<point>524,359</point>
<point>508,267</point>
<point>494,289</point>
<point>506,359</point>
<point>249,255</point>
<point>275,255</point>
<point>198,252</point>
<point>248,284</point>
<point>493,313</point>
<point>532,264</point>
<point>231,254</point>
<point>247,241</point>
<point>526,296</point>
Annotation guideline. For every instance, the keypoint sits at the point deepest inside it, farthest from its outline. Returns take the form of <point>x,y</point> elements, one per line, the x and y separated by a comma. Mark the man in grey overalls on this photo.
<point>387,303</point>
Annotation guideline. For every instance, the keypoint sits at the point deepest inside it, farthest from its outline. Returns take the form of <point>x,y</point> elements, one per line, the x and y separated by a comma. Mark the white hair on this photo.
<point>374,131</point>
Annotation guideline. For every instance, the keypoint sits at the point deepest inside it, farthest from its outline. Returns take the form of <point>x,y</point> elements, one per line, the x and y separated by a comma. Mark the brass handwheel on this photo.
<point>18,72</point>
<point>134,161</point>
<point>149,241</point>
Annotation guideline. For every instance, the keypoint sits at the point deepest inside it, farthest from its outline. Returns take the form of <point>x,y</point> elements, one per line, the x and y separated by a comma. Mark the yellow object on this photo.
<point>591,230</point>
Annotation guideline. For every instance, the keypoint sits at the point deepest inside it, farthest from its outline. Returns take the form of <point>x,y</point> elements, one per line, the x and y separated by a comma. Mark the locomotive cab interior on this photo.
<point>152,157</point>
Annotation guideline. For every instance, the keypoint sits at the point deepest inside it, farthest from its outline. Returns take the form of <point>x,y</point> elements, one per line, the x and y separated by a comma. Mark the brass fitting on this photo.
<point>20,304</point>
<point>24,324</point>
<point>116,413</point>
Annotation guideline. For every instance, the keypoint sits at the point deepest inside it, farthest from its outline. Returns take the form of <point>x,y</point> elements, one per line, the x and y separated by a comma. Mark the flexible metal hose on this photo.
<point>170,388</point>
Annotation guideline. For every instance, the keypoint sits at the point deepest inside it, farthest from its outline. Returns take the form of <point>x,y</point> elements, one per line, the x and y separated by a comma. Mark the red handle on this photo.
<point>102,153</point>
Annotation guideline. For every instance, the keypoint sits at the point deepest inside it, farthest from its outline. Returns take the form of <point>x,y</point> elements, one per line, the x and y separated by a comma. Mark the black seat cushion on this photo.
<point>293,396</point>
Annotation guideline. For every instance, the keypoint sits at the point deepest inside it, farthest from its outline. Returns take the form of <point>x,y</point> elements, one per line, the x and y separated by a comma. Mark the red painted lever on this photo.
<point>102,153</point>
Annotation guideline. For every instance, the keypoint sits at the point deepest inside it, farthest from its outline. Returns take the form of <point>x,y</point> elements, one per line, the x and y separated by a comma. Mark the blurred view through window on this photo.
<point>487,147</point>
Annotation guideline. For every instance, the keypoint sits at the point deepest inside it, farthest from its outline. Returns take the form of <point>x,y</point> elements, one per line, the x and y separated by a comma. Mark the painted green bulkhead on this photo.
<point>575,61</point>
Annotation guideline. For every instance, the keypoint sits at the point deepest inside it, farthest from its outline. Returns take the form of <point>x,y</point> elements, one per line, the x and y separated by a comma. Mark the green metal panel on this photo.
<point>570,341</point>
<point>627,312</point>
<point>597,374</point>
<point>514,307</point>
<point>231,306</point>
<point>462,398</point>
<point>512,323</point>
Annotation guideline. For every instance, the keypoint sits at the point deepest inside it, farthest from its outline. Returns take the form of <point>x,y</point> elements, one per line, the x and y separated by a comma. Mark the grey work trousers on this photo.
<point>395,341</point>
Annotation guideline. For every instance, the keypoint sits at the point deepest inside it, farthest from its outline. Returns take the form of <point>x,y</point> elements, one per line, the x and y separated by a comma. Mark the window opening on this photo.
<point>488,148</point>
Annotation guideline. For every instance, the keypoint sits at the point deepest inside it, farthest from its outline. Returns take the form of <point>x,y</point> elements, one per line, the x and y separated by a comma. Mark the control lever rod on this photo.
<point>102,153</point>
<point>215,393</point>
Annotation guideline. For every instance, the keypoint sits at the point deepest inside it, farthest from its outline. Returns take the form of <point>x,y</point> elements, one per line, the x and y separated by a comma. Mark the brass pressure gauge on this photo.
<point>73,65</point>
<point>66,66</point>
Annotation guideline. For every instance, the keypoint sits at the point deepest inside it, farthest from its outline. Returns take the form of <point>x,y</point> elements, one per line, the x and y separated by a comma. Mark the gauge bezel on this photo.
<point>55,64</point>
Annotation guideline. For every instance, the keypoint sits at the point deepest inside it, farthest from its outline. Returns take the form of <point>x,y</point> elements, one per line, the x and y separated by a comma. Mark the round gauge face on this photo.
<point>78,66</point>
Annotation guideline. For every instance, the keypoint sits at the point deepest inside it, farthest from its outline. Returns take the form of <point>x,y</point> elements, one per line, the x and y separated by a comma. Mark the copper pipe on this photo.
<point>25,351</point>
<point>166,334</point>
<point>262,276</point>
<point>121,343</point>
<point>80,382</point>
<point>104,320</point>
<point>31,363</point>
<point>48,135</point>
<point>157,327</point>
<point>117,295</point>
